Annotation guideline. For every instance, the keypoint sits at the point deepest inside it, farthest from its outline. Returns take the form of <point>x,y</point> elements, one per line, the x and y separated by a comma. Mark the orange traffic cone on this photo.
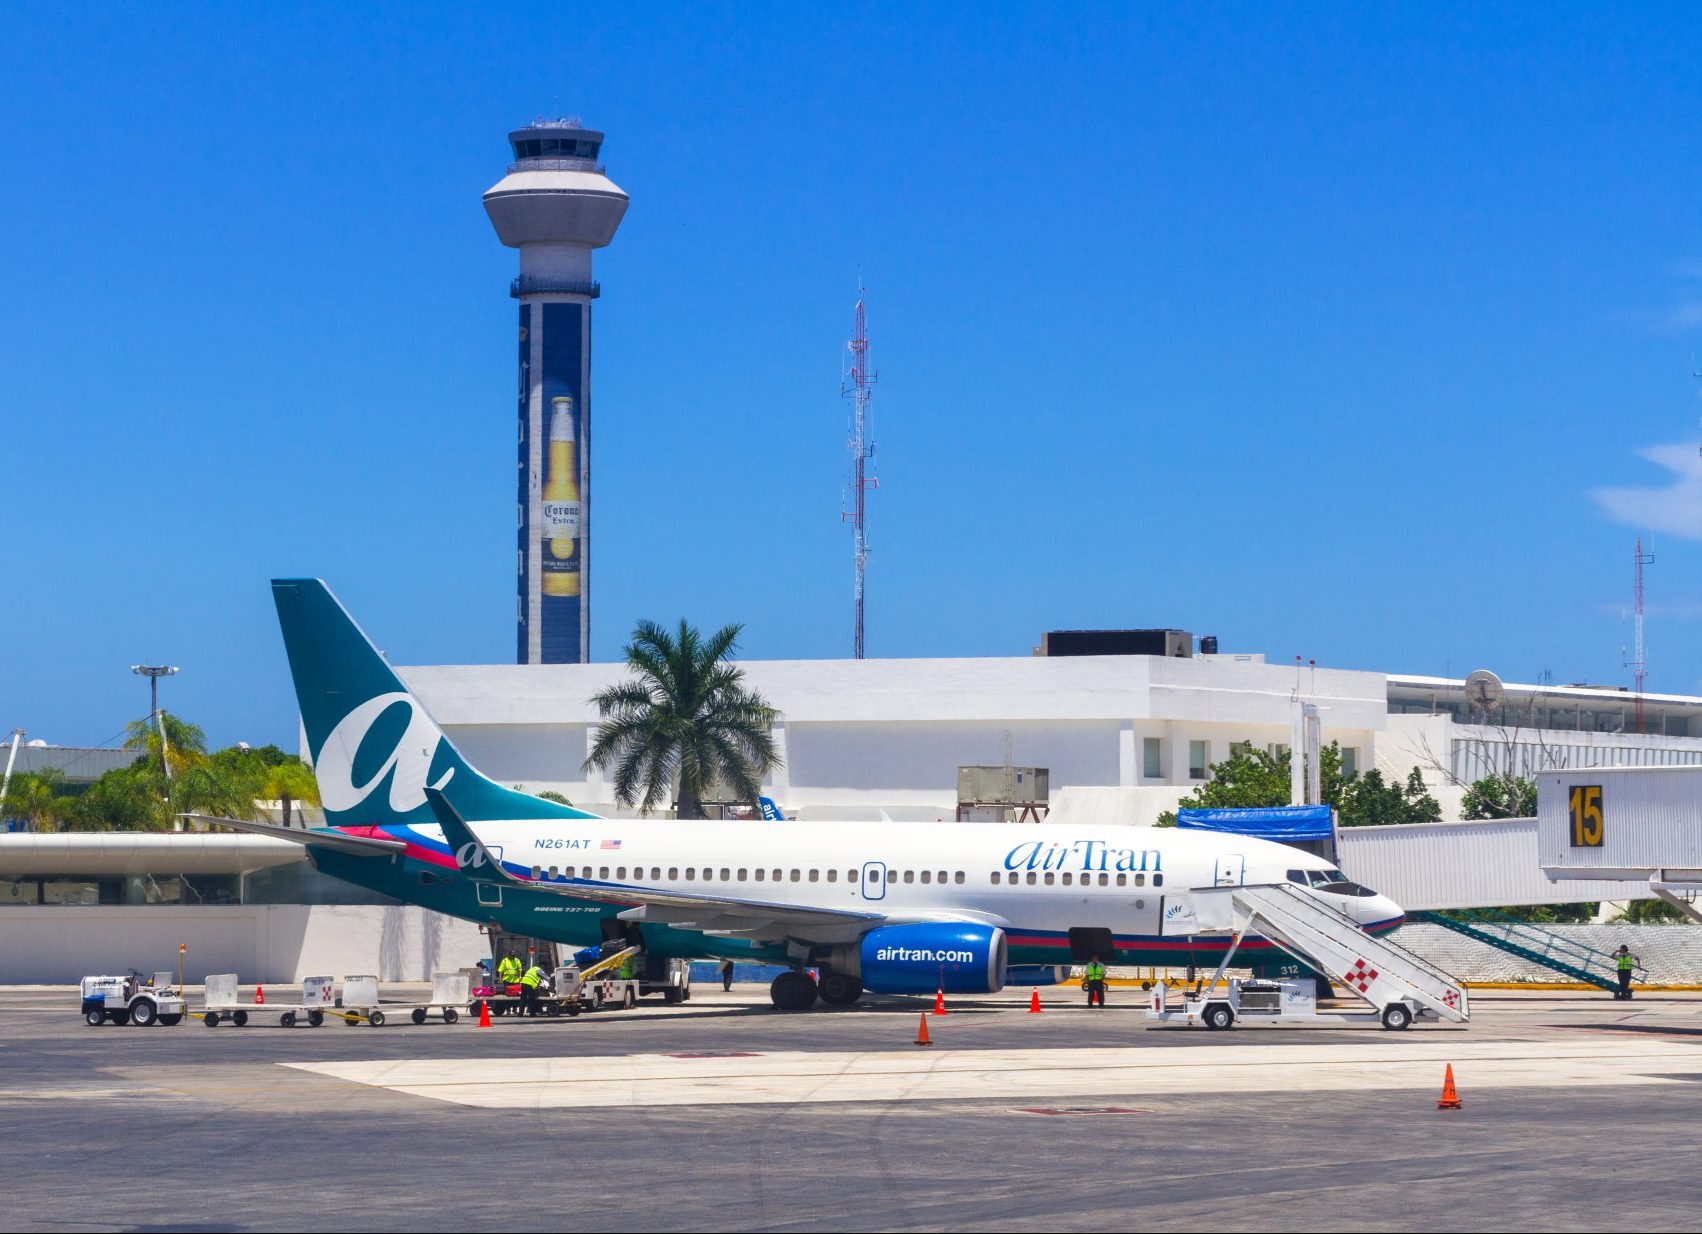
<point>1034,1003</point>
<point>939,1002</point>
<point>922,1037</point>
<point>484,1015</point>
<point>1450,1099</point>
<point>259,996</point>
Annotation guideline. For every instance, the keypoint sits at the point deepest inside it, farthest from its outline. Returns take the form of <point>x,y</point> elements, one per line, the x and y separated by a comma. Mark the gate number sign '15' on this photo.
<point>1584,807</point>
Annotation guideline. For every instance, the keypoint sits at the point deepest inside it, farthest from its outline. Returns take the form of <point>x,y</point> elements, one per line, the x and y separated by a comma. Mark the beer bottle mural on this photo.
<point>561,523</point>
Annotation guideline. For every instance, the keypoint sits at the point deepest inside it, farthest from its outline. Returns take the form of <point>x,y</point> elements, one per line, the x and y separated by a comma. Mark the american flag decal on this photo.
<point>609,844</point>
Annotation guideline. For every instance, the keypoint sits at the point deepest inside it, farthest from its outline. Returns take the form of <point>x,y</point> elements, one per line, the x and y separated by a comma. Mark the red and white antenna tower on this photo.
<point>1639,665</point>
<point>856,384</point>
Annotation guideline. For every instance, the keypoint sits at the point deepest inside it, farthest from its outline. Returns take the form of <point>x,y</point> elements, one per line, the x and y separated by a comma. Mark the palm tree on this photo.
<point>35,799</point>
<point>287,782</point>
<point>683,722</point>
<point>184,741</point>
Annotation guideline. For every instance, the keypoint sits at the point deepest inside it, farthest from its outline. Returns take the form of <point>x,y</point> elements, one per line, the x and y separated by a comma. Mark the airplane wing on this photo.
<point>358,846</point>
<point>721,915</point>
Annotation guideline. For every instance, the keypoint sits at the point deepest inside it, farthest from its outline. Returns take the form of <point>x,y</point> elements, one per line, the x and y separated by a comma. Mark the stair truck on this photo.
<point>1399,986</point>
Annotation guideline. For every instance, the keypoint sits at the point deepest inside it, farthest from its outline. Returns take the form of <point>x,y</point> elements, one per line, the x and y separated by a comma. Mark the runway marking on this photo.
<point>791,1077</point>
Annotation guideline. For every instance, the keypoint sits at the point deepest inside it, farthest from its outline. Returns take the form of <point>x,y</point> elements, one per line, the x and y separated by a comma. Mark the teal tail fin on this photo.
<point>375,748</point>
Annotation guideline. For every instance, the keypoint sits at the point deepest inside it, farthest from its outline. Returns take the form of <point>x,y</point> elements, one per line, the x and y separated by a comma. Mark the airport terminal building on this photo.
<point>1135,732</point>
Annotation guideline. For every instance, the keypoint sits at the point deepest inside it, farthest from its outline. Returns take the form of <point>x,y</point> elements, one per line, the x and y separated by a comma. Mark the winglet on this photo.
<point>472,858</point>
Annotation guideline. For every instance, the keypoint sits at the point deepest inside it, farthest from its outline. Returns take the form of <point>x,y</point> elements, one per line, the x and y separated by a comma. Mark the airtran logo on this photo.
<point>407,765</point>
<point>1085,855</point>
<point>925,955</point>
<point>470,856</point>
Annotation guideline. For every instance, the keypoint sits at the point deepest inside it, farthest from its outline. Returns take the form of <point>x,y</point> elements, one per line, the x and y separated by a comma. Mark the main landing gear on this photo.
<point>838,989</point>
<point>797,990</point>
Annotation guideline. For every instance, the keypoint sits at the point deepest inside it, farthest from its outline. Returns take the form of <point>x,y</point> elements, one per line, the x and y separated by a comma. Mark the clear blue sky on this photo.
<point>1341,334</point>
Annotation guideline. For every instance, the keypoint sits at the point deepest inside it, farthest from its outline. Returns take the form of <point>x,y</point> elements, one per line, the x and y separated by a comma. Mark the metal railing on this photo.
<point>540,284</point>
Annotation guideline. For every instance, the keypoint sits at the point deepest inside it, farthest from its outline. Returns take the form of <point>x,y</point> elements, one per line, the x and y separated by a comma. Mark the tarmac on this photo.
<point>1579,1113</point>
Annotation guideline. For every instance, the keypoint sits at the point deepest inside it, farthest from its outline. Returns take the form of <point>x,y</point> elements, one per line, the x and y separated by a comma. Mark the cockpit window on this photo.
<point>1297,876</point>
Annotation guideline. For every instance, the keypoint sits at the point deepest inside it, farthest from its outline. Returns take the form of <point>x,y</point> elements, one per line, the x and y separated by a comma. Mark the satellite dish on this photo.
<point>1484,690</point>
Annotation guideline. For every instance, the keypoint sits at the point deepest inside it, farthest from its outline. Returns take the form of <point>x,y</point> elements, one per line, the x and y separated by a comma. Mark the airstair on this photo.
<point>1529,941</point>
<point>1378,970</point>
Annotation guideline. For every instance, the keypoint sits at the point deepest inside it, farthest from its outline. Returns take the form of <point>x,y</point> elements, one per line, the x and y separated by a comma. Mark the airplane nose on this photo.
<point>1380,911</point>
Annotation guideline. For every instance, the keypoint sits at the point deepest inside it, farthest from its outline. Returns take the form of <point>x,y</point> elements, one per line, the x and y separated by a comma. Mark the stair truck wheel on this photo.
<point>211,1019</point>
<point>94,1018</point>
<point>239,1018</point>
<point>143,1012</point>
<point>315,1019</point>
<point>172,1020</point>
<point>672,995</point>
<point>552,1010</point>
<point>572,1008</point>
<point>450,1015</point>
<point>1396,1016</point>
<point>629,1000</point>
<point>287,1020</point>
<point>1219,1016</point>
<point>375,1018</point>
<point>419,1015</point>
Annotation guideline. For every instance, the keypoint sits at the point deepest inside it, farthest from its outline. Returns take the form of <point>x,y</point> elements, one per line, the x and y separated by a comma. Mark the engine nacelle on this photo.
<point>958,957</point>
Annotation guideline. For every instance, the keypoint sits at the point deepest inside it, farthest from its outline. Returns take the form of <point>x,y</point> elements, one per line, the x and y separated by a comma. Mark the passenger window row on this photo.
<point>1051,879</point>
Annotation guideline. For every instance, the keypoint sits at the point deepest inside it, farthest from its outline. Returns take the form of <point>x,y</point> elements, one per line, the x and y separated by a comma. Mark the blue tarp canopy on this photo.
<point>1284,824</point>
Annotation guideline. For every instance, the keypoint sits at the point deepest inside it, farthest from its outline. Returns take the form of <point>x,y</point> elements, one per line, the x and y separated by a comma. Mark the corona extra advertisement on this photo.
<point>553,522</point>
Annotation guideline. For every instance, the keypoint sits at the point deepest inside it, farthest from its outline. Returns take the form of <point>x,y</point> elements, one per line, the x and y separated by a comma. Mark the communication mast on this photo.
<point>856,383</point>
<point>1638,665</point>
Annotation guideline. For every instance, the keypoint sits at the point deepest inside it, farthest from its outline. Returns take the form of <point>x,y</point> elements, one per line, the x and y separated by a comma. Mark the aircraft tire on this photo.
<point>840,989</point>
<point>793,991</point>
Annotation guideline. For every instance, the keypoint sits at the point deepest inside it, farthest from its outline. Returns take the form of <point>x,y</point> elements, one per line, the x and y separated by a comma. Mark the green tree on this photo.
<point>1500,796</point>
<point>35,798</point>
<point>1650,912</point>
<point>1371,801</point>
<point>1254,777</point>
<point>549,794</point>
<point>682,722</point>
<point>184,741</point>
<point>289,782</point>
<point>126,799</point>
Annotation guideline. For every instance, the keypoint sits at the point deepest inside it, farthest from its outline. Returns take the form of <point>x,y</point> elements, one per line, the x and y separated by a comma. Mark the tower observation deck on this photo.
<point>555,205</point>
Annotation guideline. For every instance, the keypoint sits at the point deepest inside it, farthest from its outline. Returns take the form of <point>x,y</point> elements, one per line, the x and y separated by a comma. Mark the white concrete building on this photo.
<point>859,737</point>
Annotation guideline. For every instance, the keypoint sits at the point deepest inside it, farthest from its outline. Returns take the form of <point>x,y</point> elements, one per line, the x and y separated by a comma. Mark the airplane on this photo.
<point>882,907</point>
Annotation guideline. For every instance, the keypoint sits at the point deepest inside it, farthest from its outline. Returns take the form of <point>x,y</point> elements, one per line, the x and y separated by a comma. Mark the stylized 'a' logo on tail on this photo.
<point>375,749</point>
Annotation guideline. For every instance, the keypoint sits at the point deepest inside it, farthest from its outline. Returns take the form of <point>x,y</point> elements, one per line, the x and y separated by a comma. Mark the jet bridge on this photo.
<point>1399,985</point>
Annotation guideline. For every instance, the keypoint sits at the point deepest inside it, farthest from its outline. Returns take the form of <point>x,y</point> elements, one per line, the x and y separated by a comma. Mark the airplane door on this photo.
<point>874,880</point>
<point>1231,870</point>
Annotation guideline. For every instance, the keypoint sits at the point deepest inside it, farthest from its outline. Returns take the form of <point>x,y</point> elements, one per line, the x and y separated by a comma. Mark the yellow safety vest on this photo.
<point>1627,963</point>
<point>1096,972</point>
<point>533,976</point>
<point>508,969</point>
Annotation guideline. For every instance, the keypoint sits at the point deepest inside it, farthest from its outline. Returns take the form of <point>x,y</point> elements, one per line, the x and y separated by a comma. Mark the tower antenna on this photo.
<point>856,383</point>
<point>1638,664</point>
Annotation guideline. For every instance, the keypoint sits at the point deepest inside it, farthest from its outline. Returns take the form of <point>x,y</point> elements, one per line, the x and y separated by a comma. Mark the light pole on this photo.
<point>153,672</point>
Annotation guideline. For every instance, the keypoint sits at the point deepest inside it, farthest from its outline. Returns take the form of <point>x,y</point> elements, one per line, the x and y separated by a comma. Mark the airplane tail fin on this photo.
<point>375,749</point>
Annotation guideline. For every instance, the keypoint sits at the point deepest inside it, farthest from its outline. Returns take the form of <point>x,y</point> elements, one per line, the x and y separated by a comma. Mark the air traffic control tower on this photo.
<point>555,205</point>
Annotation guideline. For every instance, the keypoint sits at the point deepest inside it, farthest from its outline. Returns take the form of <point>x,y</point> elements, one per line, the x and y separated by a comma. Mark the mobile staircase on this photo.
<point>1399,985</point>
<point>1530,941</point>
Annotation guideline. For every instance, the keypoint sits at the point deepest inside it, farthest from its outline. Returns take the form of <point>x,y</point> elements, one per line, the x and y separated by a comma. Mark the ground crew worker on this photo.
<point>1624,961</point>
<point>726,976</point>
<point>627,971</point>
<point>508,970</point>
<point>529,983</point>
<point>1093,981</point>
